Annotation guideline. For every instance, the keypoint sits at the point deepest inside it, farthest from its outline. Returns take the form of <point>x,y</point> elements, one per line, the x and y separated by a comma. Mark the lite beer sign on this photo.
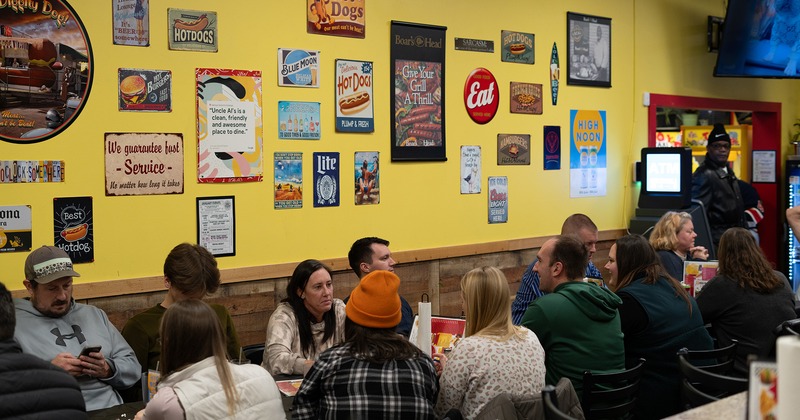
<point>481,96</point>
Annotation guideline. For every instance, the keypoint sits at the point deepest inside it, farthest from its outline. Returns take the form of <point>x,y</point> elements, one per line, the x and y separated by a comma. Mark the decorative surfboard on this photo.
<point>554,73</point>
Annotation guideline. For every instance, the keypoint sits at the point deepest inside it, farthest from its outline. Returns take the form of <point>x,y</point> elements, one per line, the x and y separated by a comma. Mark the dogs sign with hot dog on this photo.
<point>192,30</point>
<point>354,109</point>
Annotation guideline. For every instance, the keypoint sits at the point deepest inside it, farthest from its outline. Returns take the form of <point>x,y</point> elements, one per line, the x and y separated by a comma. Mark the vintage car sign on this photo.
<point>481,96</point>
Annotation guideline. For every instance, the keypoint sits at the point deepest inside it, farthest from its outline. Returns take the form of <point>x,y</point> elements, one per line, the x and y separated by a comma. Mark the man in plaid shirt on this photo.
<point>376,373</point>
<point>577,224</point>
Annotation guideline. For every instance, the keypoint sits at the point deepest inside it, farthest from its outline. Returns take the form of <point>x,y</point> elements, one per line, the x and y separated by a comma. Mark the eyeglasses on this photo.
<point>720,146</point>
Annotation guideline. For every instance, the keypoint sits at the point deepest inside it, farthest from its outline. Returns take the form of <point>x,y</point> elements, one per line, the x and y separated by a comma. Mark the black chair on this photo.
<point>611,395</point>
<point>550,402</point>
<point>703,384</point>
<point>790,327</point>
<point>716,361</point>
<point>254,352</point>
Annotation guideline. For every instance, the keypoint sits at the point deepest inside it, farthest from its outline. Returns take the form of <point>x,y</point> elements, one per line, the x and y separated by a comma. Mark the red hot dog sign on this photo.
<point>481,96</point>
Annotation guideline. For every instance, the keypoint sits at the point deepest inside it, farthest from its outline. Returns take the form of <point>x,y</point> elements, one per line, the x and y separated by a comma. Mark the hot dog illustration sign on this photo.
<point>354,105</point>
<point>418,91</point>
<point>73,227</point>
<point>481,96</point>
<point>192,30</point>
<point>336,17</point>
<point>517,47</point>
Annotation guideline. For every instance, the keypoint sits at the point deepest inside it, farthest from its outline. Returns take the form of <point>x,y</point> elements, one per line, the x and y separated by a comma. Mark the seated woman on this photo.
<point>471,379</point>
<point>197,381</point>
<point>304,324</point>
<point>190,272</point>
<point>658,318</point>
<point>747,299</point>
<point>673,239</point>
<point>376,373</point>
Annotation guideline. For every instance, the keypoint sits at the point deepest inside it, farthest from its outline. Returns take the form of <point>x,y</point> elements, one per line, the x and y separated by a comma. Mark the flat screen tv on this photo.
<point>666,174</point>
<point>760,38</point>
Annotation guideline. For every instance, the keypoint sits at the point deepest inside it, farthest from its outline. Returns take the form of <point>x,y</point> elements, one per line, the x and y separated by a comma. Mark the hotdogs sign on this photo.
<point>354,109</point>
<point>192,30</point>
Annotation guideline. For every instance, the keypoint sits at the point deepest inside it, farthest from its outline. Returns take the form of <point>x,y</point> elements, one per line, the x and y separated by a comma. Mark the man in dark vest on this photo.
<point>715,184</point>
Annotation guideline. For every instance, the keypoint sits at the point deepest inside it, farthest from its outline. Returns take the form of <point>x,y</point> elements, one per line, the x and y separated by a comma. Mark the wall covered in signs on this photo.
<point>655,47</point>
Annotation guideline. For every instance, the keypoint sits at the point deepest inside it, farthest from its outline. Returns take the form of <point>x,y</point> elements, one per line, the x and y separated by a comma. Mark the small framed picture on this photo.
<point>589,50</point>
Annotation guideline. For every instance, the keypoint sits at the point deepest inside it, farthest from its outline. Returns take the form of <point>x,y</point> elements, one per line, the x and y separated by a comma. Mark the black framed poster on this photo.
<point>589,50</point>
<point>417,92</point>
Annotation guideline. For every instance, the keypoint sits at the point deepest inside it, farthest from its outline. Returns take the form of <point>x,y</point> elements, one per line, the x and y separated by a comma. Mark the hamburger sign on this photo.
<point>145,90</point>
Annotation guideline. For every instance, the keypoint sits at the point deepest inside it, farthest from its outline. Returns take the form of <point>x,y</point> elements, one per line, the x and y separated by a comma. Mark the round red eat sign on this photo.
<point>481,96</point>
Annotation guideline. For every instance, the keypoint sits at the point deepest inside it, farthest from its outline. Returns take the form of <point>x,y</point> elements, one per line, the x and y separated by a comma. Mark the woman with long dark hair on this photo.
<point>747,299</point>
<point>658,318</point>
<point>470,379</point>
<point>308,321</point>
<point>197,381</point>
<point>376,373</point>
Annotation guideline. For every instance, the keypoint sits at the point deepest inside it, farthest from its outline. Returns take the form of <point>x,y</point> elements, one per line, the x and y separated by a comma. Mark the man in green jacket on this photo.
<point>577,322</point>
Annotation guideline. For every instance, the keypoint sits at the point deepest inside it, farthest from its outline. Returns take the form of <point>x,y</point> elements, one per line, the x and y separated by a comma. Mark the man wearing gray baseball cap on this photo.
<point>75,337</point>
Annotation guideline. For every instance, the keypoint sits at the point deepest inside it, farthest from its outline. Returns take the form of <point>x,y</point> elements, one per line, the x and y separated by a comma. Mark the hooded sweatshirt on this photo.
<point>82,325</point>
<point>579,327</point>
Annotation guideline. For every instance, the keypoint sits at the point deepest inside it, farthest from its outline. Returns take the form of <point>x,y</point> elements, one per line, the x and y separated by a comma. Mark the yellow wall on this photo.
<point>657,46</point>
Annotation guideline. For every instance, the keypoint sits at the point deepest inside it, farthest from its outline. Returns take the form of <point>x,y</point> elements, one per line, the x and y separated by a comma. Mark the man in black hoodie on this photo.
<point>30,386</point>
<point>715,184</point>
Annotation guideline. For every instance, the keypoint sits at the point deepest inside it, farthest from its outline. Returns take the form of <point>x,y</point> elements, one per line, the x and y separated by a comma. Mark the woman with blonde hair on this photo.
<point>197,381</point>
<point>495,356</point>
<point>673,239</point>
<point>747,299</point>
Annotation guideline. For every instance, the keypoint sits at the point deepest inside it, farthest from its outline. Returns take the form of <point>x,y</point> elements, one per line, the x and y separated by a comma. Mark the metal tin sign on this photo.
<point>470,169</point>
<point>498,199</point>
<point>298,68</point>
<point>46,60</point>
<point>131,22</point>
<point>354,99</point>
<point>145,90</point>
<point>555,74</point>
<point>73,227</point>
<point>481,96</point>
<point>477,45</point>
<point>288,180</point>
<point>525,98</point>
<point>192,30</point>
<point>326,179</point>
<point>298,120</point>
<point>144,163</point>
<point>517,47</point>
<point>336,17</point>
<point>24,171</point>
<point>15,228</point>
<point>552,147</point>
<point>513,149</point>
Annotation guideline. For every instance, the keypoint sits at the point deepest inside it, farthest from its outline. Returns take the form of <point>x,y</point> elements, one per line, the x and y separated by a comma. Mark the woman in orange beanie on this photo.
<point>470,379</point>
<point>376,373</point>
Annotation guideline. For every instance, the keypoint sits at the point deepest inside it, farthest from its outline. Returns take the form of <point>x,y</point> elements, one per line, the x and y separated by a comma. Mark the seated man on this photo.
<point>29,386</point>
<point>578,322</point>
<point>370,254</point>
<point>54,327</point>
<point>577,224</point>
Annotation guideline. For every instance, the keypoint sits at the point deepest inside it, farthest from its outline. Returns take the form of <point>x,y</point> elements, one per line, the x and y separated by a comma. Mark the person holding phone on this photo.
<point>52,326</point>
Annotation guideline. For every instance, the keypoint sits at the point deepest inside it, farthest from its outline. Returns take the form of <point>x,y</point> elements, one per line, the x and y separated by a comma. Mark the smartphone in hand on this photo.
<point>90,349</point>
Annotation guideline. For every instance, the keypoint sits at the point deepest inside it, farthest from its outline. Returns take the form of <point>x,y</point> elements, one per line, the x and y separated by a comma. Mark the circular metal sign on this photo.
<point>46,68</point>
<point>481,96</point>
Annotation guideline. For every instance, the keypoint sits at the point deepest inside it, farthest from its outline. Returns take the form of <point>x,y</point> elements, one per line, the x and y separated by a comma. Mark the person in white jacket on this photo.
<point>197,381</point>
